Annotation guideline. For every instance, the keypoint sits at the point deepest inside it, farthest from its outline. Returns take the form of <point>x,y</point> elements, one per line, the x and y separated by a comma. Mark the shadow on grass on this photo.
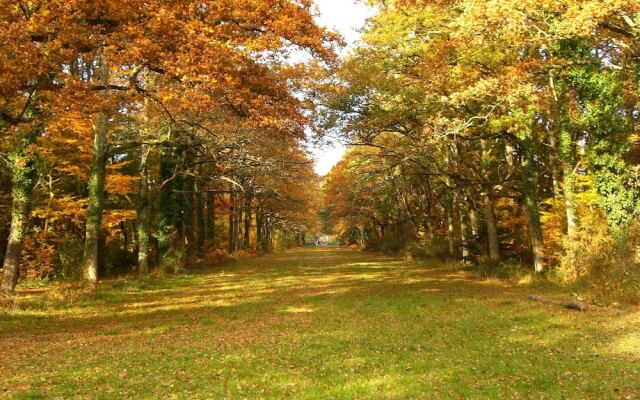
<point>338,323</point>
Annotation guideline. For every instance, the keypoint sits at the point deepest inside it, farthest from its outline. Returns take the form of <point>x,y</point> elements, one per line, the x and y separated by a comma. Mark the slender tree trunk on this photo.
<point>565,150</point>
<point>532,206</point>
<point>211,219</point>
<point>232,219</point>
<point>23,177</point>
<point>474,222</point>
<point>267,235</point>
<point>536,234</point>
<point>492,227</point>
<point>200,217</point>
<point>125,236</point>
<point>144,212</point>
<point>189,220</point>
<point>508,149</point>
<point>568,180</point>
<point>428,229</point>
<point>237,224</point>
<point>259,228</point>
<point>97,176</point>
<point>247,220</point>
<point>487,199</point>
<point>451,230</point>
<point>464,235</point>
<point>556,175</point>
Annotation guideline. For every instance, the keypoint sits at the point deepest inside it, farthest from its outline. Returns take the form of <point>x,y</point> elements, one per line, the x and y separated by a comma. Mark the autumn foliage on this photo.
<point>141,129</point>
<point>499,130</point>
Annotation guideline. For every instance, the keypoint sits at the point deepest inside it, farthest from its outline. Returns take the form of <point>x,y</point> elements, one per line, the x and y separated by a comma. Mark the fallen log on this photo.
<point>571,304</point>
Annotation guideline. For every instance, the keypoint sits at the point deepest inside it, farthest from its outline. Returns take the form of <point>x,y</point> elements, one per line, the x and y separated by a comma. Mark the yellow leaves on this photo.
<point>582,18</point>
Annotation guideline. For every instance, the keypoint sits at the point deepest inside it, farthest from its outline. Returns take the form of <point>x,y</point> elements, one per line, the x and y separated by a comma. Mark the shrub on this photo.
<point>590,250</point>
<point>605,265</point>
<point>118,260</point>
<point>38,257</point>
<point>437,247</point>
<point>70,254</point>
<point>173,260</point>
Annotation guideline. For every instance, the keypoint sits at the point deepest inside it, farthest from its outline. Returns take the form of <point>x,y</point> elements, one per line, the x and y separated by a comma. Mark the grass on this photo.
<point>314,324</point>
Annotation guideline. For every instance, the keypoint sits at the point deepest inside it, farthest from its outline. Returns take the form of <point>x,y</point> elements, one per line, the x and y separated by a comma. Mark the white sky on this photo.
<point>347,17</point>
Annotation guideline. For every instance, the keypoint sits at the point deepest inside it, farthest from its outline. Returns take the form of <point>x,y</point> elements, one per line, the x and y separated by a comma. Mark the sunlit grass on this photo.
<point>314,324</point>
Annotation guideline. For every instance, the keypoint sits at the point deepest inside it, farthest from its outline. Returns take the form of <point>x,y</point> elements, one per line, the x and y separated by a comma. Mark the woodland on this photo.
<point>163,233</point>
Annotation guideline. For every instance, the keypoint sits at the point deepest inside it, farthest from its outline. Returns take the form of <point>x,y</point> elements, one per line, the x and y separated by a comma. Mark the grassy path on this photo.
<point>316,324</point>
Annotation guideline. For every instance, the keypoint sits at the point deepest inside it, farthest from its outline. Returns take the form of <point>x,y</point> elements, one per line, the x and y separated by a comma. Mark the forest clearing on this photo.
<point>320,199</point>
<point>317,323</point>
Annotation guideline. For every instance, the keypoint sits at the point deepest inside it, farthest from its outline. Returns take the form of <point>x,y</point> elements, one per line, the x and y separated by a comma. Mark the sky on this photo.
<point>346,17</point>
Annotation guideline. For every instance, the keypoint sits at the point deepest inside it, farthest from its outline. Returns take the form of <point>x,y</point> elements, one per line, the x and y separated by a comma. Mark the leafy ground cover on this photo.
<point>315,323</point>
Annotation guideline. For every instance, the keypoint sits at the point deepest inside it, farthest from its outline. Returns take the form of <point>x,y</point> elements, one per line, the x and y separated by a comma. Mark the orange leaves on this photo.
<point>63,208</point>
<point>119,184</point>
<point>39,257</point>
<point>112,218</point>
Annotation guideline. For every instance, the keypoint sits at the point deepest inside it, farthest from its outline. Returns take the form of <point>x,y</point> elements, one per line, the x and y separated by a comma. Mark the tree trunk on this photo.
<point>232,220</point>
<point>464,235</point>
<point>267,235</point>
<point>237,224</point>
<point>565,147</point>
<point>492,227</point>
<point>451,230</point>
<point>259,228</point>
<point>97,176</point>
<point>487,199</point>
<point>474,221</point>
<point>125,236</point>
<point>247,220</point>
<point>532,206</point>
<point>568,180</point>
<point>189,223</point>
<point>200,217</point>
<point>555,170</point>
<point>211,219</point>
<point>144,212</point>
<point>23,177</point>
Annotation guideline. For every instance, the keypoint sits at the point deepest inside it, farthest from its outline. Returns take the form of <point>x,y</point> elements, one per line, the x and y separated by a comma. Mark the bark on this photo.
<point>97,175</point>
<point>464,236</point>
<point>259,228</point>
<point>23,177</point>
<point>450,230</point>
<point>188,217</point>
<point>232,220</point>
<point>237,225</point>
<point>568,180</point>
<point>474,222</point>
<point>571,304</point>
<point>144,212</point>
<point>556,175</point>
<point>125,236</point>
<point>565,147</point>
<point>200,217</point>
<point>530,192</point>
<point>533,217</point>
<point>247,220</point>
<point>492,228</point>
<point>267,235</point>
<point>211,219</point>
<point>509,154</point>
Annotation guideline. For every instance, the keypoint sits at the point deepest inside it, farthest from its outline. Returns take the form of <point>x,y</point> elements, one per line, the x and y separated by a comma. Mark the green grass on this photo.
<point>314,324</point>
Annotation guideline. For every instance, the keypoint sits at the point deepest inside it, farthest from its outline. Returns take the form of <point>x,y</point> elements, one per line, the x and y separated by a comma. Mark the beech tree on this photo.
<point>134,83</point>
<point>524,113</point>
